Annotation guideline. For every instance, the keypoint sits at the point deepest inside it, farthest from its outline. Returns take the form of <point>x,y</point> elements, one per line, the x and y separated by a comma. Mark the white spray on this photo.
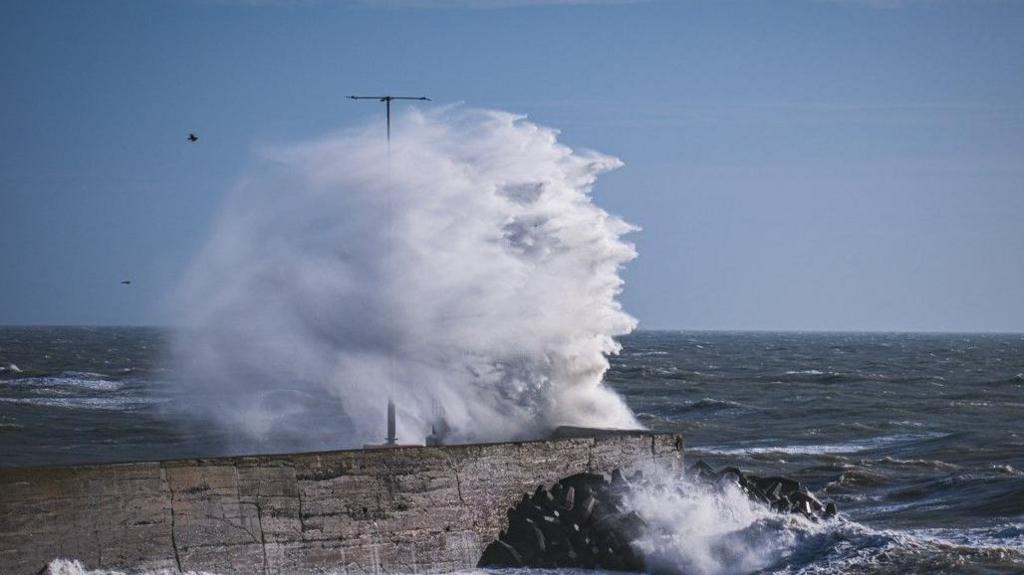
<point>703,529</point>
<point>470,272</point>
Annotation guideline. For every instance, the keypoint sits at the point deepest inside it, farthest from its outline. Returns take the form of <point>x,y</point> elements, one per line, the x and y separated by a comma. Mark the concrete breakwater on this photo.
<point>400,510</point>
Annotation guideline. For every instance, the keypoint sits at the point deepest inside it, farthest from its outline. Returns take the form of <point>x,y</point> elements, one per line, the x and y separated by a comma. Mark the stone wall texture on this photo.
<point>399,510</point>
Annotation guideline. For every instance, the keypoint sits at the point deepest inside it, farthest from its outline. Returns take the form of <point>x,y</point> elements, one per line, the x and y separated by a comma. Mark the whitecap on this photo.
<point>1008,470</point>
<point>822,448</point>
<point>966,403</point>
<point>72,382</point>
<point>930,463</point>
<point>83,375</point>
<point>101,403</point>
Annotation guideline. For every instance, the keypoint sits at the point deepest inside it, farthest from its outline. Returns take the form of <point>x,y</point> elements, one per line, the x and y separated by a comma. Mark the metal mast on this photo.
<point>391,439</point>
<point>387,104</point>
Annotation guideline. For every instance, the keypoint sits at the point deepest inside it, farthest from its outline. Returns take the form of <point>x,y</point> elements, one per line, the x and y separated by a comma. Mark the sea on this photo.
<point>918,438</point>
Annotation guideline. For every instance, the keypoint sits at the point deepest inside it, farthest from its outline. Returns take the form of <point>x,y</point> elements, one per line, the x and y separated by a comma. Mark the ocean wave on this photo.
<point>83,375</point>
<point>821,376</point>
<point>928,463</point>
<point>71,379</point>
<point>704,531</point>
<point>856,550</point>
<point>858,425</point>
<point>854,446</point>
<point>705,404</point>
<point>970,403</point>
<point>1003,535</point>
<point>715,532</point>
<point>513,203</point>
<point>855,477</point>
<point>101,403</point>
<point>849,548</point>
<point>907,423</point>
<point>711,403</point>
<point>1008,470</point>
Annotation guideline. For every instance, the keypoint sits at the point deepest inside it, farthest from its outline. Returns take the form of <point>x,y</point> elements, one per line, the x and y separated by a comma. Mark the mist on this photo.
<point>465,273</point>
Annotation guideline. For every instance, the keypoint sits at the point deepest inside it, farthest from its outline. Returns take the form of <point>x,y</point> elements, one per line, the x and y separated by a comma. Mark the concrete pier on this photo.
<point>399,510</point>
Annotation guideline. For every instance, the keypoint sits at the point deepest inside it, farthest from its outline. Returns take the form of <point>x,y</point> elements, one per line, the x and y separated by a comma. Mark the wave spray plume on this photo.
<point>471,271</point>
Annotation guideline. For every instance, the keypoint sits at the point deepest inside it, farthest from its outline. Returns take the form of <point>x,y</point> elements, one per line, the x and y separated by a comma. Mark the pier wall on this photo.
<point>400,510</point>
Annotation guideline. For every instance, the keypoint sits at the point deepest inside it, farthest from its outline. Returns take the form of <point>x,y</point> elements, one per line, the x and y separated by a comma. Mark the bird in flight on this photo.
<point>127,282</point>
<point>193,138</point>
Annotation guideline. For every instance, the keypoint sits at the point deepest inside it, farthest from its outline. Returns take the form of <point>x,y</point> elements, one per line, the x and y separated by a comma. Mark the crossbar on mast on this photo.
<point>387,103</point>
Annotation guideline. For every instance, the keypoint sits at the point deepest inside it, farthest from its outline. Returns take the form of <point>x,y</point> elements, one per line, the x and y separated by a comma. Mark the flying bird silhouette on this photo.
<point>193,138</point>
<point>127,282</point>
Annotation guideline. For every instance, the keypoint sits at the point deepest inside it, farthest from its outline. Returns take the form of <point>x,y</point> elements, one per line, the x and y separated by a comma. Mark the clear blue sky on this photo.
<point>794,164</point>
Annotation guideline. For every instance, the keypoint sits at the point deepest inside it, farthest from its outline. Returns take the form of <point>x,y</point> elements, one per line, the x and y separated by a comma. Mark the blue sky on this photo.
<point>794,164</point>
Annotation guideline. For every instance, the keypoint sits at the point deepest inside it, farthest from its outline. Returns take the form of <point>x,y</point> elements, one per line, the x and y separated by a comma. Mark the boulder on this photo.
<point>500,554</point>
<point>830,510</point>
<point>542,498</point>
<point>702,470</point>
<point>585,511</point>
<point>627,526</point>
<point>786,486</point>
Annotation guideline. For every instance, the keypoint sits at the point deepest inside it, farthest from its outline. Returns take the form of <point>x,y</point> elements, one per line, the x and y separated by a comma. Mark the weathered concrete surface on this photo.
<point>405,510</point>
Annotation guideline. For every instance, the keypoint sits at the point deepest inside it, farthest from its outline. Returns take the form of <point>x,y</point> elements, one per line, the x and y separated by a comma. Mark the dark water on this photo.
<point>903,430</point>
<point>918,438</point>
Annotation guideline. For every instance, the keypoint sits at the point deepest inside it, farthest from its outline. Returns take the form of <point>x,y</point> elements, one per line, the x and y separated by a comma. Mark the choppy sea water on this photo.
<point>918,438</point>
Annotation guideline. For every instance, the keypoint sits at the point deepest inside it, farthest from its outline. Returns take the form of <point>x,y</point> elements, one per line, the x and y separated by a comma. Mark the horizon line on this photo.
<point>639,330</point>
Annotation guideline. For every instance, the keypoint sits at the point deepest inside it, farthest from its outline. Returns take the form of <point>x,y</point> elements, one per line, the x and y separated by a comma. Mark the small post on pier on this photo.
<point>392,438</point>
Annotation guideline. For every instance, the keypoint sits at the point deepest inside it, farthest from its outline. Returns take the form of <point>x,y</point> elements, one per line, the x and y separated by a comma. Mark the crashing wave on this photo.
<point>465,271</point>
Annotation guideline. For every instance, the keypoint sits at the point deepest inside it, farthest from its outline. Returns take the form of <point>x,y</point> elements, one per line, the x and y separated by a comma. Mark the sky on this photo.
<point>834,165</point>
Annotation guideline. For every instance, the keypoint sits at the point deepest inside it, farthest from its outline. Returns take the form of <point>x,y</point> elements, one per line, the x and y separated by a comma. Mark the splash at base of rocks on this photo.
<point>586,520</point>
